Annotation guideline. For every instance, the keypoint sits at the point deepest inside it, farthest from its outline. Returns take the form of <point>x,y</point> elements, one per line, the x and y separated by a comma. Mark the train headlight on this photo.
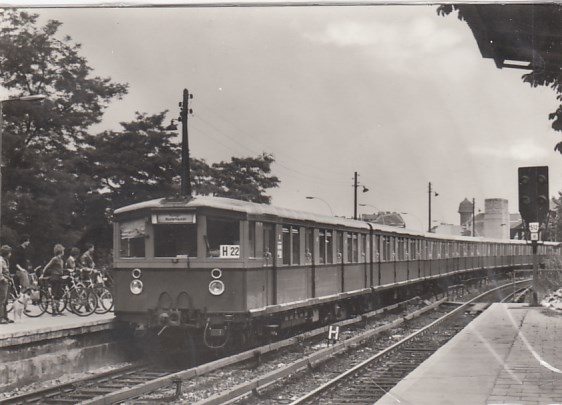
<point>136,286</point>
<point>136,273</point>
<point>216,273</point>
<point>216,287</point>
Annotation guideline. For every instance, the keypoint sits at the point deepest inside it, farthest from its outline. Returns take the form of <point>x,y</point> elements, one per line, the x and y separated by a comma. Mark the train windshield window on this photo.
<point>132,238</point>
<point>172,240</point>
<point>223,238</point>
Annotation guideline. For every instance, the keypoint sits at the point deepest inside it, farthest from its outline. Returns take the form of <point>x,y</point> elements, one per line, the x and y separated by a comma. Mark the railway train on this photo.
<point>217,270</point>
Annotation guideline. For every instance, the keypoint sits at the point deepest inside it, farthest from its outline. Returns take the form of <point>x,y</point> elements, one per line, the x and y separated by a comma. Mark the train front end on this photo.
<point>178,267</point>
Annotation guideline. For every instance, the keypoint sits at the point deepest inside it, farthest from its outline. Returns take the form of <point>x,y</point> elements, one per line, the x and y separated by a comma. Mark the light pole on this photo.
<point>324,201</point>
<point>355,185</point>
<point>36,97</point>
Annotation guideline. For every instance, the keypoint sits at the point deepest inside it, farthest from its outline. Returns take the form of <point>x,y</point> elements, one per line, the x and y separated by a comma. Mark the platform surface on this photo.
<point>46,326</point>
<point>510,354</point>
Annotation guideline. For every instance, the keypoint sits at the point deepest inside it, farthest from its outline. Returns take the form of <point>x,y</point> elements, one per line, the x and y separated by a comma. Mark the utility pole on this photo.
<point>355,196</point>
<point>429,199</point>
<point>185,167</point>
<point>355,185</point>
<point>473,220</point>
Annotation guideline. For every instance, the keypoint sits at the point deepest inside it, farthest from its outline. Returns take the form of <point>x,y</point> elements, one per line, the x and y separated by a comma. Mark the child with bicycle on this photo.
<point>53,273</point>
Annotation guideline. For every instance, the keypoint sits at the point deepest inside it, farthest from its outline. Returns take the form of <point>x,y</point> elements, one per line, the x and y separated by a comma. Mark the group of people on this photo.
<point>15,266</point>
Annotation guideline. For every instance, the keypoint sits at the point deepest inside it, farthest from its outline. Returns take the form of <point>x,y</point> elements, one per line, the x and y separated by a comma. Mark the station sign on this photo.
<point>173,218</point>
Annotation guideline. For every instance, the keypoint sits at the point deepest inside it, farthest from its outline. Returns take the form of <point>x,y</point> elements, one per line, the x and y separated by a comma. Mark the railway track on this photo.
<point>340,381</point>
<point>206,383</point>
<point>89,388</point>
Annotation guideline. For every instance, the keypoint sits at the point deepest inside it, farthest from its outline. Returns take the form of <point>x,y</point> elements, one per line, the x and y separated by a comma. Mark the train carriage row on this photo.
<point>210,259</point>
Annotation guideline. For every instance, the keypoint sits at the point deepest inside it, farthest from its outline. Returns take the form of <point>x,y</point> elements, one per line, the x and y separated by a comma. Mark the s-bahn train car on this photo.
<point>221,270</point>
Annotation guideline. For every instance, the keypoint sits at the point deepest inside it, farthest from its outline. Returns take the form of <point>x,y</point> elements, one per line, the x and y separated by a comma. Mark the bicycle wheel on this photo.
<point>105,300</point>
<point>38,303</point>
<point>45,302</point>
<point>83,301</point>
<point>10,304</point>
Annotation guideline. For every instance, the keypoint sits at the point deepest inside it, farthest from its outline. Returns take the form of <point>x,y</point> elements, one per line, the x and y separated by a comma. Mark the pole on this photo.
<point>534,299</point>
<point>473,219</point>
<point>1,134</point>
<point>355,196</point>
<point>185,167</point>
<point>429,219</point>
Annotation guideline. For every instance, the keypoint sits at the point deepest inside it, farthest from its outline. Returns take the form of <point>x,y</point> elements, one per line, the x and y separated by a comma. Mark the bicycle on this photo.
<point>33,308</point>
<point>79,299</point>
<point>104,294</point>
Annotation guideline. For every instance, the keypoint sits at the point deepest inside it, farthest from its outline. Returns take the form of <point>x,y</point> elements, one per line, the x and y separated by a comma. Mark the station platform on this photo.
<point>31,330</point>
<point>48,347</point>
<point>510,354</point>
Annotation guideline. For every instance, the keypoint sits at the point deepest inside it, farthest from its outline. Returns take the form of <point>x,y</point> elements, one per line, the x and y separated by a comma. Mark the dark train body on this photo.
<point>222,270</point>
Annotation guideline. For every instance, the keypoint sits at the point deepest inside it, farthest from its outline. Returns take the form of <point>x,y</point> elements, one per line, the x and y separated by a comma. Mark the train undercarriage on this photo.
<point>189,336</point>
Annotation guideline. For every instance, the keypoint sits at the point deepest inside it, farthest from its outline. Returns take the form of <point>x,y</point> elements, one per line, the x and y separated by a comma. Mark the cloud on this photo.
<point>415,46</point>
<point>522,151</point>
<point>421,34</point>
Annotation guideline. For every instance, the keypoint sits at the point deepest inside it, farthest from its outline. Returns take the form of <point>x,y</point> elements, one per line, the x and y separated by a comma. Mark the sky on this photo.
<point>395,93</point>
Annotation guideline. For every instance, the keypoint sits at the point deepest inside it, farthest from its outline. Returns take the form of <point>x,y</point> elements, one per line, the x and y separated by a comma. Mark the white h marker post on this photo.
<point>333,334</point>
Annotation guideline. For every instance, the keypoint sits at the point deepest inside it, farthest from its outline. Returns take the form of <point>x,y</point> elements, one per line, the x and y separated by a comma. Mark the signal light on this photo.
<point>533,193</point>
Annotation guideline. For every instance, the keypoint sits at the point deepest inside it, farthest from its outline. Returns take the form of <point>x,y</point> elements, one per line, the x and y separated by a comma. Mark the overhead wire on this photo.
<point>279,159</point>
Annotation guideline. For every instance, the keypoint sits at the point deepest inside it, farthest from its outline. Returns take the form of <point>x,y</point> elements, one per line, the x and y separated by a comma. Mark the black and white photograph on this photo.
<point>281,202</point>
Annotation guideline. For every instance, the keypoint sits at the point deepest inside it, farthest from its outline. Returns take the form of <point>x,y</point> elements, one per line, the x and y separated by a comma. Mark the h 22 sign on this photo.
<point>229,251</point>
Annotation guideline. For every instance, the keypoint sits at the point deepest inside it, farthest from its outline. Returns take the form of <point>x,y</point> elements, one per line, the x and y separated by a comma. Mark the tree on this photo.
<point>555,219</point>
<point>40,141</point>
<point>528,31</point>
<point>142,162</point>
<point>245,178</point>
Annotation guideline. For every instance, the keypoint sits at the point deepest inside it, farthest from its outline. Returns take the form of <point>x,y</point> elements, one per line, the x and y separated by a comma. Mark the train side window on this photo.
<point>364,247</point>
<point>352,246</point>
<point>286,245</point>
<point>322,243</point>
<point>309,245</point>
<point>399,248</point>
<point>252,242</point>
<point>132,237</point>
<point>295,245</point>
<point>172,240</point>
<point>329,247</point>
<point>221,233</point>
<point>269,243</point>
<point>339,246</point>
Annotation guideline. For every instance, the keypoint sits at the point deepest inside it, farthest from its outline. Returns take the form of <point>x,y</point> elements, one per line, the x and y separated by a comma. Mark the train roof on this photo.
<point>250,208</point>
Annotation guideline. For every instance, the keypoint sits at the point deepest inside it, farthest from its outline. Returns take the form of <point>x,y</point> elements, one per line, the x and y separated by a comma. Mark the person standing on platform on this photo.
<point>5,252</point>
<point>72,261</point>
<point>87,261</point>
<point>53,272</point>
<point>20,264</point>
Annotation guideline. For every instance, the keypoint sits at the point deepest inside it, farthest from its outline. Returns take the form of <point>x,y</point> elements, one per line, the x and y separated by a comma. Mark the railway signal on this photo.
<point>533,194</point>
<point>534,207</point>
